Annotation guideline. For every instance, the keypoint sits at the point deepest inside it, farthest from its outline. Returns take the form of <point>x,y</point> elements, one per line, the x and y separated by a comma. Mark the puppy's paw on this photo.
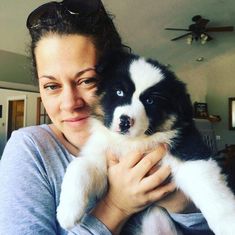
<point>226,226</point>
<point>69,214</point>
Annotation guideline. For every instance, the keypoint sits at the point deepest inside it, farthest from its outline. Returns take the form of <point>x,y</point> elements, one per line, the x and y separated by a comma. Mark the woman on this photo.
<point>68,38</point>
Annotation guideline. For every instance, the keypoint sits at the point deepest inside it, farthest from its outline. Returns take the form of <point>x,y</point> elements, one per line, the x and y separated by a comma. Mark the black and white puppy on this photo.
<point>141,104</point>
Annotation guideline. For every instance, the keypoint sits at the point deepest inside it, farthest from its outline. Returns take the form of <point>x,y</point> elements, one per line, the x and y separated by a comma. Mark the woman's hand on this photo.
<point>134,182</point>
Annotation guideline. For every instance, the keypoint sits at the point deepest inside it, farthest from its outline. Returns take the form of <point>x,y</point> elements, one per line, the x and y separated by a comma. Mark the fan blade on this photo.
<point>220,29</point>
<point>182,36</point>
<point>177,29</point>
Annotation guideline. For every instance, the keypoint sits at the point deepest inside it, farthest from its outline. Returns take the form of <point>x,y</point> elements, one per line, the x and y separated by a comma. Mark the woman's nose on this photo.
<point>71,99</point>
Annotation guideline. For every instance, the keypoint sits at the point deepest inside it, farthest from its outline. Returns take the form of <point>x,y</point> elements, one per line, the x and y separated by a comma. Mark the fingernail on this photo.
<point>165,146</point>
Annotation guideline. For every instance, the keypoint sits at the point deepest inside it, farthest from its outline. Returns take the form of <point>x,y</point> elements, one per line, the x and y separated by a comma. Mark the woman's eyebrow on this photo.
<point>47,76</point>
<point>79,73</point>
<point>84,71</point>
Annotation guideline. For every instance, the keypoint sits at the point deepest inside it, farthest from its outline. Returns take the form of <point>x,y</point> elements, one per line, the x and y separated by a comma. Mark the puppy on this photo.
<point>141,104</point>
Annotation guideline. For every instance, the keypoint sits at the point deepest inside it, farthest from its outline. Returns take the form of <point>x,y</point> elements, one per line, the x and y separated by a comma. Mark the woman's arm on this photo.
<point>29,187</point>
<point>26,198</point>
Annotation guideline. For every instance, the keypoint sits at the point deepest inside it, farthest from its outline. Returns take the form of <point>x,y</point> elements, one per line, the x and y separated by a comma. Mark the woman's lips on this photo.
<point>75,121</point>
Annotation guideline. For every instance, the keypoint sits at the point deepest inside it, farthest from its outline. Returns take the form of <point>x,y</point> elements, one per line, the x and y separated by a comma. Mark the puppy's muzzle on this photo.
<point>125,123</point>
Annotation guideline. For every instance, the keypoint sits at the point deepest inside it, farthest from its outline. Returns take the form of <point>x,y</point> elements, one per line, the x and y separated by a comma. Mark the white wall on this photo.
<point>213,82</point>
<point>196,81</point>
<point>31,110</point>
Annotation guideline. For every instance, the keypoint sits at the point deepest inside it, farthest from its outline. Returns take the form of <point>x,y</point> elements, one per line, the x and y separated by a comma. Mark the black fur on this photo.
<point>168,97</point>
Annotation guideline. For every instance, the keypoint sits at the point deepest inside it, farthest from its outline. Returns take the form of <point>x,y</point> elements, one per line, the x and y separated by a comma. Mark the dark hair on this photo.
<point>99,27</point>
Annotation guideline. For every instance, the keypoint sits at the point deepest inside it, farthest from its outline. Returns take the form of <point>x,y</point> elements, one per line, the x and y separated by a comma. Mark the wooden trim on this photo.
<point>39,100</point>
<point>230,101</point>
<point>41,113</point>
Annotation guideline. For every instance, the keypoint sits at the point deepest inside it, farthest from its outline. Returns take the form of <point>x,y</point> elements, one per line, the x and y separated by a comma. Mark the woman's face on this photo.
<point>66,83</point>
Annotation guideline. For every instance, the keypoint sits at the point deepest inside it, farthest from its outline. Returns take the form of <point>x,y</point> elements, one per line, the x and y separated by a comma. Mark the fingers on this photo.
<point>160,192</point>
<point>156,179</point>
<point>111,159</point>
<point>128,161</point>
<point>132,159</point>
<point>149,161</point>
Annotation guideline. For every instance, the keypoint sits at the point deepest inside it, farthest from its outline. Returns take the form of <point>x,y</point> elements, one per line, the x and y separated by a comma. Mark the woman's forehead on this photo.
<point>63,45</point>
<point>65,52</point>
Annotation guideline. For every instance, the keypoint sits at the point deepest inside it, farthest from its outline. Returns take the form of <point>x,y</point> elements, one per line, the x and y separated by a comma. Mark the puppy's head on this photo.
<point>140,97</point>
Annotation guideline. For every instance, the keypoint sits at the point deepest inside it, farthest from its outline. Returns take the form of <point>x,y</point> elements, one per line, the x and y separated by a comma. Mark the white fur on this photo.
<point>158,221</point>
<point>203,182</point>
<point>200,180</point>
<point>140,70</point>
<point>86,177</point>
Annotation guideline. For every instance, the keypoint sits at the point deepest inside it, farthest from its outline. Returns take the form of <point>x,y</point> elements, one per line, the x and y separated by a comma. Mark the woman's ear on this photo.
<point>180,99</point>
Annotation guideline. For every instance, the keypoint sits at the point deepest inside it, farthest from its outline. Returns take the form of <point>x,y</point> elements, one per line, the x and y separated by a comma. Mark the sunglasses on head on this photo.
<point>72,7</point>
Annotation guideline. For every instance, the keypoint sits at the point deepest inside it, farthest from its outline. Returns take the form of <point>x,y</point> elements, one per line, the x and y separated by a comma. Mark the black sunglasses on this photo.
<point>72,7</point>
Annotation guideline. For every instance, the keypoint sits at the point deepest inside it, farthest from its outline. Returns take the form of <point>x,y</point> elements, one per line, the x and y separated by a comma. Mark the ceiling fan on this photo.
<point>199,30</point>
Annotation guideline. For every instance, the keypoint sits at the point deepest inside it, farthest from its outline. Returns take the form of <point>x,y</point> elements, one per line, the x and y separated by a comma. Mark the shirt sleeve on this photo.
<point>90,225</point>
<point>27,198</point>
<point>192,223</point>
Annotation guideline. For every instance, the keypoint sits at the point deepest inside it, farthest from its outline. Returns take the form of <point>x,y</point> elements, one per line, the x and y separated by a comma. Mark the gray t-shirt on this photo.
<point>31,172</point>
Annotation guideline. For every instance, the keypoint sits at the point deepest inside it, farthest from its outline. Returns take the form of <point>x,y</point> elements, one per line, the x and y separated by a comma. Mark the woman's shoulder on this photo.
<point>34,131</point>
<point>37,142</point>
<point>35,135</point>
<point>35,149</point>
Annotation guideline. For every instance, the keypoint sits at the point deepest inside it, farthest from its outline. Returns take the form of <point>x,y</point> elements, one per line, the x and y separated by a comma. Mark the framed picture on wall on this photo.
<point>0,111</point>
<point>200,110</point>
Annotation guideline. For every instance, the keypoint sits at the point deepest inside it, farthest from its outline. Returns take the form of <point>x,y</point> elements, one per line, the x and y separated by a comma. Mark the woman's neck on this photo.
<point>73,148</point>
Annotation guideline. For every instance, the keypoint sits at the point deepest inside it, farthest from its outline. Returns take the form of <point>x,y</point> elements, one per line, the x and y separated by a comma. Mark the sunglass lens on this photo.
<point>82,7</point>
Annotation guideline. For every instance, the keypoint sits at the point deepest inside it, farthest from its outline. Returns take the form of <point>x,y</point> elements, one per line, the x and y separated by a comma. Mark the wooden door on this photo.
<point>15,116</point>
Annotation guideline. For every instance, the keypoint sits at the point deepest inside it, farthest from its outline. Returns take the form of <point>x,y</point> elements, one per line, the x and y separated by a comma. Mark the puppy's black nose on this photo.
<point>124,124</point>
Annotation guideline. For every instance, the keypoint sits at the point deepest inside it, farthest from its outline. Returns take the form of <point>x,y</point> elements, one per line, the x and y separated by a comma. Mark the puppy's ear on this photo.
<point>110,59</point>
<point>183,102</point>
<point>186,107</point>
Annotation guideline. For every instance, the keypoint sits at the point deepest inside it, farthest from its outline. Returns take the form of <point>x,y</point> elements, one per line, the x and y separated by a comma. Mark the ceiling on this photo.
<point>141,24</point>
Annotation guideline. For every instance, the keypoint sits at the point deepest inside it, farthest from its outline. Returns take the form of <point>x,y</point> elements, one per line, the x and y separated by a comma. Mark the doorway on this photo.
<point>16,115</point>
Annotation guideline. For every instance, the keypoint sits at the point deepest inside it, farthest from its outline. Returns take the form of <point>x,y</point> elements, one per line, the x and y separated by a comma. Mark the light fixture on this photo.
<point>203,37</point>
<point>189,39</point>
<point>200,59</point>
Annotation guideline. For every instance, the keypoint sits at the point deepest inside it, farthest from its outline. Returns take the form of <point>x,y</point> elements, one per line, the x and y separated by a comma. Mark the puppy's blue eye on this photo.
<point>149,100</point>
<point>120,93</point>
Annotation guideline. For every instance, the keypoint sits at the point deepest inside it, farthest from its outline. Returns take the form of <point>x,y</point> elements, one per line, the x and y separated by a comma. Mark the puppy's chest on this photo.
<point>102,139</point>
<point>122,145</point>
<point>124,148</point>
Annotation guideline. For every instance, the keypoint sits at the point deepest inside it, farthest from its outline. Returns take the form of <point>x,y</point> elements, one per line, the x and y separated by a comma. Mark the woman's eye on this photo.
<point>51,87</point>
<point>120,93</point>
<point>88,82</point>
